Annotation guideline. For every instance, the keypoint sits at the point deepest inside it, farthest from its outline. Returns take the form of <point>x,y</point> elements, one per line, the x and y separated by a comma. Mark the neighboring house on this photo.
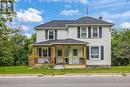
<point>73,43</point>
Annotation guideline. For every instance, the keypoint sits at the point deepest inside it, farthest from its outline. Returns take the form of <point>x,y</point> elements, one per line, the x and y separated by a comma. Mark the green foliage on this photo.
<point>37,66</point>
<point>14,46</point>
<point>120,47</point>
<point>47,66</point>
<point>27,70</point>
<point>43,66</point>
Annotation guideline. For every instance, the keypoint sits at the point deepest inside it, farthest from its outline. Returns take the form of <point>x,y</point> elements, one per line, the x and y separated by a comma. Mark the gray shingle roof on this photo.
<point>82,20</point>
<point>60,41</point>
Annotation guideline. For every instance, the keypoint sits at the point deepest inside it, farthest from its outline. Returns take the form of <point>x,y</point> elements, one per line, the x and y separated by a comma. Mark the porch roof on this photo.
<point>61,41</point>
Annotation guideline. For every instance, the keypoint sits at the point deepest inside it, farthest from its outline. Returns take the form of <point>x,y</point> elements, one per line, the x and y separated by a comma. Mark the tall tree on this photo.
<point>120,47</point>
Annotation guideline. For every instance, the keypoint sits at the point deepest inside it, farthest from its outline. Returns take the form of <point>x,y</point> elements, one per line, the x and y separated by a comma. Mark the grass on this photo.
<point>27,70</point>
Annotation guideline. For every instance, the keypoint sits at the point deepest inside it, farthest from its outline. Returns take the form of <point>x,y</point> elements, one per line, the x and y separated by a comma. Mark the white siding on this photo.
<point>80,53</point>
<point>40,35</point>
<point>71,32</point>
<point>62,34</point>
<point>104,41</point>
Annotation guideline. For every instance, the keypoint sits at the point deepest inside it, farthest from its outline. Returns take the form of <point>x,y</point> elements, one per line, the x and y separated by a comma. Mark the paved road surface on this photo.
<point>87,81</point>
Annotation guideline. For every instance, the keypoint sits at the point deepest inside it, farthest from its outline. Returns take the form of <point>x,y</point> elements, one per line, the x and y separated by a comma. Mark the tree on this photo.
<point>120,47</point>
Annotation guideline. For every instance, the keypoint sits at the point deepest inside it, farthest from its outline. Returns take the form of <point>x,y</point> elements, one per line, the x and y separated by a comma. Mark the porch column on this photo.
<point>85,53</point>
<point>53,53</point>
<point>33,59</point>
<point>63,55</point>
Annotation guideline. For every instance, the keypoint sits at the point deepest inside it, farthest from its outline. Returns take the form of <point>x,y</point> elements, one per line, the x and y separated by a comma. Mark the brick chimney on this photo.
<point>100,18</point>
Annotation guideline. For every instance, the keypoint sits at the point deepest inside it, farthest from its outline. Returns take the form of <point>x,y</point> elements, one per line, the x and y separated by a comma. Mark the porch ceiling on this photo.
<point>61,41</point>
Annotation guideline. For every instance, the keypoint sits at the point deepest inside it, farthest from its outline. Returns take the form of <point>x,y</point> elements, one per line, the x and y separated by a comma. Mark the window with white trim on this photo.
<point>95,32</point>
<point>51,34</point>
<point>83,33</point>
<point>43,52</point>
<point>95,52</point>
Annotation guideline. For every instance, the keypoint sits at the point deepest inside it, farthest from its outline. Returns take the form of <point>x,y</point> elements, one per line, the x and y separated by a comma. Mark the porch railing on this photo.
<point>73,60</point>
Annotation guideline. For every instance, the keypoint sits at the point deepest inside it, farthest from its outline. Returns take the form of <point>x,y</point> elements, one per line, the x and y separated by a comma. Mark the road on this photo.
<point>87,81</point>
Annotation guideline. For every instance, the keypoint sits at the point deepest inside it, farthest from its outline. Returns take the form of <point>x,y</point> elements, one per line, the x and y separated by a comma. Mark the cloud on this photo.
<point>25,28</point>
<point>84,1</point>
<point>29,15</point>
<point>70,12</point>
<point>28,35</point>
<point>125,25</point>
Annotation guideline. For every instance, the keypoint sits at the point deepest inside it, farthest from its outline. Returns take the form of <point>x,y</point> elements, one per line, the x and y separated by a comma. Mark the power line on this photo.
<point>123,8</point>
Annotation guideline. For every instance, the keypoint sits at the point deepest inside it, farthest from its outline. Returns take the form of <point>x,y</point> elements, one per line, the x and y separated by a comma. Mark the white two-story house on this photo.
<point>73,43</point>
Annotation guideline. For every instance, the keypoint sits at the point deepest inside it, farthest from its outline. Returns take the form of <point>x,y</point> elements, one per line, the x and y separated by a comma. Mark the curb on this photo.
<point>66,75</point>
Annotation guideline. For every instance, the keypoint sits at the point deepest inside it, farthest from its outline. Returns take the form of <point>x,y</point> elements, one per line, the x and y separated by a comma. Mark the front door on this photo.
<point>59,59</point>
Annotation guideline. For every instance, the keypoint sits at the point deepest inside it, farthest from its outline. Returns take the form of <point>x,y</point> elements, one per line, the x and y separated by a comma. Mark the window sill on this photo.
<point>95,59</point>
<point>90,38</point>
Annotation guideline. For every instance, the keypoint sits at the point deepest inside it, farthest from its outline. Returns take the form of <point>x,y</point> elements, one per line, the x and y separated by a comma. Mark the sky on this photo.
<point>31,13</point>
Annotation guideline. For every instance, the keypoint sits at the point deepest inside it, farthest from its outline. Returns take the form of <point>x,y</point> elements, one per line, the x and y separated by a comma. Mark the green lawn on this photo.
<point>27,70</point>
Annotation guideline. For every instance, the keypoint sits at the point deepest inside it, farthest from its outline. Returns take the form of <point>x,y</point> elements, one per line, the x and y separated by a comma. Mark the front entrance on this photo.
<point>59,57</point>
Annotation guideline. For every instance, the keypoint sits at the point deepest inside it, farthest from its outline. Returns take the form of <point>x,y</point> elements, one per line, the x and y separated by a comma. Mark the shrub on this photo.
<point>43,66</point>
<point>38,66</point>
<point>47,66</point>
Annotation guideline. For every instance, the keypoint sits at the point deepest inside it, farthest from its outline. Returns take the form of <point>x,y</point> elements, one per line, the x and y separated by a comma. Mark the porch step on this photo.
<point>58,67</point>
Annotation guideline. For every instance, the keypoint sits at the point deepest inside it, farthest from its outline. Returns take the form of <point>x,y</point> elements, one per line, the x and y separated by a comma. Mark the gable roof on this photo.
<point>82,20</point>
<point>60,41</point>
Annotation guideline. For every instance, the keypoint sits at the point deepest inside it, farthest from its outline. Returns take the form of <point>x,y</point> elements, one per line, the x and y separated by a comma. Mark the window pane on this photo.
<point>84,35</point>
<point>51,37</point>
<point>44,52</point>
<point>95,32</point>
<point>51,34</point>
<point>75,53</point>
<point>94,50</point>
<point>84,30</point>
<point>94,56</point>
<point>59,53</point>
<point>40,51</point>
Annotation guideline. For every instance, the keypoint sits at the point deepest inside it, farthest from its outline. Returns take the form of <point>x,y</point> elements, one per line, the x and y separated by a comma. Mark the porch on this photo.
<point>65,55</point>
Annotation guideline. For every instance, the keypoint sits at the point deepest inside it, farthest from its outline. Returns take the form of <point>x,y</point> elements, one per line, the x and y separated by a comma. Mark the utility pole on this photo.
<point>87,10</point>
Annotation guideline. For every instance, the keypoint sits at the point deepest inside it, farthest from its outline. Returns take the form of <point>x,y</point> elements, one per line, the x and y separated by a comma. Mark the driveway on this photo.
<point>69,81</point>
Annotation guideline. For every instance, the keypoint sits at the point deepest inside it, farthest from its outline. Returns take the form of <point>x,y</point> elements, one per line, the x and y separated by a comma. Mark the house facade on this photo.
<point>73,43</point>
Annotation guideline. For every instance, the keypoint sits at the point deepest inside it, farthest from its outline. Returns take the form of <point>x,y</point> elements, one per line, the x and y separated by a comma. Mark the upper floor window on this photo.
<point>51,34</point>
<point>95,32</point>
<point>89,32</point>
<point>83,33</point>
